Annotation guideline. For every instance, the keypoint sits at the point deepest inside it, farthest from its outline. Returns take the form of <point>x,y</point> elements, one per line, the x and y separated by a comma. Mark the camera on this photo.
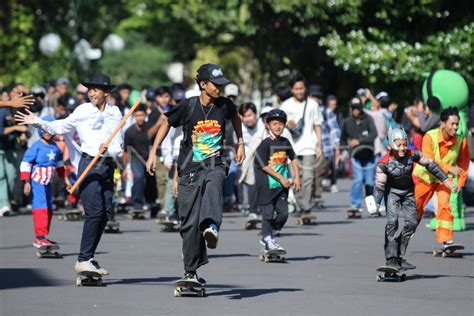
<point>361,92</point>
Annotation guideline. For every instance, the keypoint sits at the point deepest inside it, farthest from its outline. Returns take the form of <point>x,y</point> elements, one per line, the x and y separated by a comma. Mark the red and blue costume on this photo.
<point>38,166</point>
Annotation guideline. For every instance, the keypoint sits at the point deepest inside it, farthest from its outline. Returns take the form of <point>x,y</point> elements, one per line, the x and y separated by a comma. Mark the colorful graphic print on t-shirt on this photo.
<point>279,162</point>
<point>207,139</point>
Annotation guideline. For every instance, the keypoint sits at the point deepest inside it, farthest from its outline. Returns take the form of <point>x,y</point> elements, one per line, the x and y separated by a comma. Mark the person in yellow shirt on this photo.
<point>451,153</point>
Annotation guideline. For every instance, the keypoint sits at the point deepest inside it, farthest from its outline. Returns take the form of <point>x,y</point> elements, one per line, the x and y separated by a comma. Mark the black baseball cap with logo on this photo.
<point>213,73</point>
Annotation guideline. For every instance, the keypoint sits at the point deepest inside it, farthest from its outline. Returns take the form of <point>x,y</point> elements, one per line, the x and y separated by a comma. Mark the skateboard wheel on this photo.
<point>267,260</point>
<point>99,282</point>
<point>444,254</point>
<point>78,281</point>
<point>177,292</point>
<point>283,259</point>
<point>379,278</point>
<point>262,257</point>
<point>435,253</point>
<point>404,277</point>
<point>201,293</point>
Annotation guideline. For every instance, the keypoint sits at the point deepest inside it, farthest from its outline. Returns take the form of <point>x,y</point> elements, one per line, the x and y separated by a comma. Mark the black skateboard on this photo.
<point>48,252</point>
<point>89,278</point>
<point>169,226</point>
<point>136,214</point>
<point>273,256</point>
<point>112,227</point>
<point>449,251</point>
<point>252,224</point>
<point>306,219</point>
<point>390,275</point>
<point>187,287</point>
<point>354,213</point>
<point>74,216</point>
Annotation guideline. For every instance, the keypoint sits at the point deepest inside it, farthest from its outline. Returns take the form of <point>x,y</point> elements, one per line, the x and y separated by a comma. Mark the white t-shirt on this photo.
<point>308,142</point>
<point>249,133</point>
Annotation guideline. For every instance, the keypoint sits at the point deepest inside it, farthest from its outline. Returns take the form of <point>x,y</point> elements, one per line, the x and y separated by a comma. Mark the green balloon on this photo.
<point>449,87</point>
<point>133,97</point>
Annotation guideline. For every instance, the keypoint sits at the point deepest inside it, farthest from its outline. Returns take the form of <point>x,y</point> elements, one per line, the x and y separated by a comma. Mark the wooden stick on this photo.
<point>106,144</point>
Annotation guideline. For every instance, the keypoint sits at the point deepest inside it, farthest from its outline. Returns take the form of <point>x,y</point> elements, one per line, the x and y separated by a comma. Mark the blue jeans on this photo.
<point>144,185</point>
<point>363,173</point>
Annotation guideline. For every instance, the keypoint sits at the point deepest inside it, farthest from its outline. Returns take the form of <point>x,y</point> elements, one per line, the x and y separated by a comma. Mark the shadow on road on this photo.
<point>77,254</point>
<point>21,278</point>
<point>230,255</point>
<point>436,276</point>
<point>126,231</point>
<point>150,281</point>
<point>457,255</point>
<point>17,247</point>
<point>309,258</point>
<point>299,234</point>
<point>334,222</point>
<point>238,294</point>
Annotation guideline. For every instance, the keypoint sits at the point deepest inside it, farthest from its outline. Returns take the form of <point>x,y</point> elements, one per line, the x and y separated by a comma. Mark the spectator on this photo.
<point>359,132</point>
<point>304,121</point>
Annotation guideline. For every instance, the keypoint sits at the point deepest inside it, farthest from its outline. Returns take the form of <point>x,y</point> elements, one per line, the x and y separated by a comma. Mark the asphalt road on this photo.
<point>330,271</point>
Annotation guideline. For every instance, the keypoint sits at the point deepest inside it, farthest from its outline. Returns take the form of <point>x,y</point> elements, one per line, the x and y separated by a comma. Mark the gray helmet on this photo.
<point>394,134</point>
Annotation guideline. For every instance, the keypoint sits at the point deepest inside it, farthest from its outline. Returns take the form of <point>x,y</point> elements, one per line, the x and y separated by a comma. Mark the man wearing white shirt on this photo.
<point>306,143</point>
<point>94,122</point>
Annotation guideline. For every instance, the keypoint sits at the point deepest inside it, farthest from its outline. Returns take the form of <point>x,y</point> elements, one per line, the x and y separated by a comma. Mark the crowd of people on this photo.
<point>214,153</point>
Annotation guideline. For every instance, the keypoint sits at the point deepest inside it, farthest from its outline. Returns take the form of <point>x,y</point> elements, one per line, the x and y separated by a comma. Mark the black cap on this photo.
<point>213,73</point>
<point>100,81</point>
<point>315,90</point>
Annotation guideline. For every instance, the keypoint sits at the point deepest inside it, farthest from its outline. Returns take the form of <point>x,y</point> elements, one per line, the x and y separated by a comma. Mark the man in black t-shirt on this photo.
<point>136,150</point>
<point>272,178</point>
<point>202,166</point>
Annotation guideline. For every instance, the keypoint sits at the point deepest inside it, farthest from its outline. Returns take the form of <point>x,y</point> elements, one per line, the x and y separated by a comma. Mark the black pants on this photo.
<point>200,202</point>
<point>275,214</point>
<point>96,192</point>
<point>399,203</point>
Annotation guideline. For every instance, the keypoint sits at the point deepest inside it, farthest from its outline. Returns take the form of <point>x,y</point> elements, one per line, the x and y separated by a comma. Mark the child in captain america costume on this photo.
<point>37,168</point>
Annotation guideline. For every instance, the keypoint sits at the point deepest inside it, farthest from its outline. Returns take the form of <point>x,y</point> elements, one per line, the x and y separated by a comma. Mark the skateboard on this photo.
<point>390,275</point>
<point>136,214</point>
<point>252,224</point>
<point>273,256</point>
<point>306,220</point>
<point>123,208</point>
<point>169,226</point>
<point>48,252</point>
<point>449,251</point>
<point>354,213</point>
<point>184,287</point>
<point>74,215</point>
<point>112,227</point>
<point>89,278</point>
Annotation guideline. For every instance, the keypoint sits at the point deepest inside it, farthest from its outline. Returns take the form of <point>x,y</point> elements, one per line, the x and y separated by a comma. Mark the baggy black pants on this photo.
<point>96,192</point>
<point>200,203</point>
<point>275,214</point>
<point>399,203</point>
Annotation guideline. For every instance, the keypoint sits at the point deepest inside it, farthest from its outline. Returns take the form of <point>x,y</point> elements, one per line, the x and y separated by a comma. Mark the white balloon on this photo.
<point>49,44</point>
<point>113,43</point>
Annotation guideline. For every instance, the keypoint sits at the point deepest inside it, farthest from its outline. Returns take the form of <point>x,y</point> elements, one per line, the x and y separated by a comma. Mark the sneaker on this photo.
<point>393,263</point>
<point>405,265</point>
<point>37,243</point>
<point>5,211</point>
<point>172,218</point>
<point>191,277</point>
<point>334,188</point>
<point>90,265</point>
<point>252,217</point>
<point>211,235</point>
<point>270,244</point>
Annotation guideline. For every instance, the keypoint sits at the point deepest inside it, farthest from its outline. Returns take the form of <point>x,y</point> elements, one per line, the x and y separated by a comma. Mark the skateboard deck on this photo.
<point>252,224</point>
<point>354,213</point>
<point>306,220</point>
<point>169,226</point>
<point>136,214</point>
<point>449,251</point>
<point>273,256</point>
<point>184,287</point>
<point>89,278</point>
<point>48,252</point>
<point>390,275</point>
<point>75,215</point>
<point>123,208</point>
<point>112,227</point>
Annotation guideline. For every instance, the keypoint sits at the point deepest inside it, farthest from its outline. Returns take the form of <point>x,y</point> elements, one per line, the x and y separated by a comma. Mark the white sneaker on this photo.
<point>90,265</point>
<point>211,235</point>
<point>334,188</point>
<point>5,211</point>
<point>252,216</point>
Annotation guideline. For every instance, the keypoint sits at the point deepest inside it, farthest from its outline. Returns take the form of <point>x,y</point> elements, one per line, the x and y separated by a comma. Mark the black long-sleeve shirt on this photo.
<point>362,129</point>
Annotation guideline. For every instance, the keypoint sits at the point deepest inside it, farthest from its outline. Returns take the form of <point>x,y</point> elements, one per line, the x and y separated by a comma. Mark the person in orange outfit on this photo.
<point>451,153</point>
